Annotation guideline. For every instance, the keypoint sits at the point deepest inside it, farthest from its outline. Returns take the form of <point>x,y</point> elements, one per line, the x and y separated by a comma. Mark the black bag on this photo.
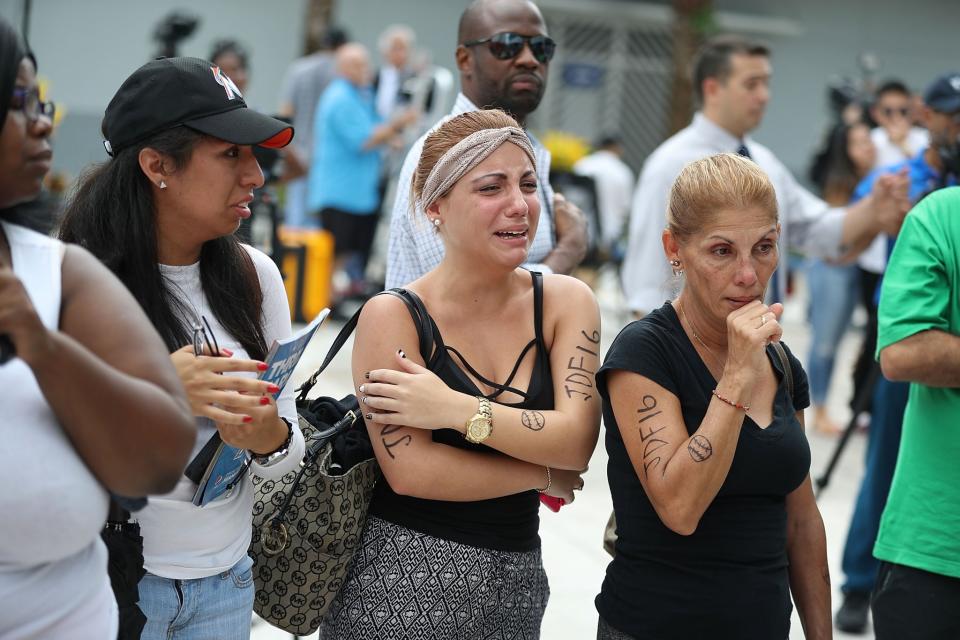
<point>307,525</point>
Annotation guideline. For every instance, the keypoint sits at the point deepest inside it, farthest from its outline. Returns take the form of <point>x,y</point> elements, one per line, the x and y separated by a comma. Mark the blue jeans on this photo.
<point>218,607</point>
<point>886,423</point>
<point>834,290</point>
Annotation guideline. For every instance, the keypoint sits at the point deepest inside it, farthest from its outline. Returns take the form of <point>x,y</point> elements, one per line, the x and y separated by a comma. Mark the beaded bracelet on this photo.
<point>736,405</point>
<point>549,482</point>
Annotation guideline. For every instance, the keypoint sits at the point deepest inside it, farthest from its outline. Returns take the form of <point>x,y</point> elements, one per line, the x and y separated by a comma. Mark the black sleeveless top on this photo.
<point>509,523</point>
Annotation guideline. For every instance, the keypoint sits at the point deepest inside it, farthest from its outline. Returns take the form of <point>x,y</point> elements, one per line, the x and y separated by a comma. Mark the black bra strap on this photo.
<point>501,388</point>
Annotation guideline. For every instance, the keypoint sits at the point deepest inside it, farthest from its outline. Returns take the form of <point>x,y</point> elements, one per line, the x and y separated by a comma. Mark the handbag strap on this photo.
<point>420,318</point>
<point>785,362</point>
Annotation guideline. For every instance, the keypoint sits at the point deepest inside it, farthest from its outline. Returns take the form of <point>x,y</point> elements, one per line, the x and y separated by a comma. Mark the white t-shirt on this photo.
<point>53,565</point>
<point>182,541</point>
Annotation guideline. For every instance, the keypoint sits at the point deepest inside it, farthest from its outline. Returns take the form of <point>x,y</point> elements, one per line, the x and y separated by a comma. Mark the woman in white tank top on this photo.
<point>90,400</point>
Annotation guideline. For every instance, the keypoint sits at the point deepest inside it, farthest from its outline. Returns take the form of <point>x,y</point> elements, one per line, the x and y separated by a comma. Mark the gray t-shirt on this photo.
<point>302,87</point>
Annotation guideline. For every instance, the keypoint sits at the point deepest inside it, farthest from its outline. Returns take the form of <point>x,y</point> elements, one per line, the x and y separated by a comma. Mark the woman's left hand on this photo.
<point>412,397</point>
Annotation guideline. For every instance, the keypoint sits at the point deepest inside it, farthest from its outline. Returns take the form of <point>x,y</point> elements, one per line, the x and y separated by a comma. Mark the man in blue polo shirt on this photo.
<point>933,168</point>
<point>343,186</point>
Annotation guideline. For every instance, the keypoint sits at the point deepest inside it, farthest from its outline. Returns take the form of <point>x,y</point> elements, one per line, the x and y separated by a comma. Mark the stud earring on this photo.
<point>436,222</point>
<point>162,185</point>
<point>675,264</point>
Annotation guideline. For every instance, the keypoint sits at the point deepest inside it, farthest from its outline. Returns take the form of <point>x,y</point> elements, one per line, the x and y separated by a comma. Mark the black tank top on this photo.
<point>509,523</point>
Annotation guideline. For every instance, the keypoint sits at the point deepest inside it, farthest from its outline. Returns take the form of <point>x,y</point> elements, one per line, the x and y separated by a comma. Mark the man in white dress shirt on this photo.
<point>503,53</point>
<point>731,78</point>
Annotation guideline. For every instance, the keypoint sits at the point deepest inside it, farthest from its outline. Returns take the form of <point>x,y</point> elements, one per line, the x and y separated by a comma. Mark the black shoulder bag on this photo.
<point>308,524</point>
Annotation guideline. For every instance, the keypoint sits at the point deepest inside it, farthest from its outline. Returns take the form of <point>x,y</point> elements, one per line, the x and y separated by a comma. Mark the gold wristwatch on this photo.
<point>480,426</point>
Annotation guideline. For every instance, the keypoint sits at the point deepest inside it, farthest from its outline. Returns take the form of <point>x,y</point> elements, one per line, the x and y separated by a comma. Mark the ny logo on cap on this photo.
<point>227,84</point>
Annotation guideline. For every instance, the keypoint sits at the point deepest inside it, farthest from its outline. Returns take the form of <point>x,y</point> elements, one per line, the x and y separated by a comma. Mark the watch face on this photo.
<point>479,428</point>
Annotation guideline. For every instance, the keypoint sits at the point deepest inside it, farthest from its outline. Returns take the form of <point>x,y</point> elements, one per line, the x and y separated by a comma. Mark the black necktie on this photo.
<point>743,151</point>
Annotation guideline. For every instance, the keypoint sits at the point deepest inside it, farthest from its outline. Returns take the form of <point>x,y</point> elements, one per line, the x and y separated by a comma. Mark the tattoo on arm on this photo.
<point>579,372</point>
<point>699,448</point>
<point>389,430</point>
<point>650,440</point>
<point>533,420</point>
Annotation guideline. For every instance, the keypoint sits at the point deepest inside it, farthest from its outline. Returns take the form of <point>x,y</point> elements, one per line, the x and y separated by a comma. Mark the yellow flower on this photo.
<point>565,149</point>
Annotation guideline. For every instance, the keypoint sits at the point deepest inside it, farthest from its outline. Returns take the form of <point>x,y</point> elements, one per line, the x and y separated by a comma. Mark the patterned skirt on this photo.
<point>406,585</point>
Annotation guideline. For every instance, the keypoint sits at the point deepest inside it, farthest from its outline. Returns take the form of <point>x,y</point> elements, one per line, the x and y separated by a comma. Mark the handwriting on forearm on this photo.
<point>650,440</point>
<point>580,373</point>
<point>533,420</point>
<point>388,444</point>
<point>699,448</point>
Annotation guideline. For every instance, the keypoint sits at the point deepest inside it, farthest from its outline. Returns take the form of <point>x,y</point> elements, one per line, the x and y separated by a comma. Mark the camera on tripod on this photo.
<point>173,30</point>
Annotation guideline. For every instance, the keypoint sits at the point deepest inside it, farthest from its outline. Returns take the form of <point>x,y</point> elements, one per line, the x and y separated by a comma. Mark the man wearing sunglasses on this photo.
<point>896,138</point>
<point>503,56</point>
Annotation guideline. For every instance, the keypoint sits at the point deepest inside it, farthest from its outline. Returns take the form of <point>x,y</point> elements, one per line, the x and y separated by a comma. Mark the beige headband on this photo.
<point>467,154</point>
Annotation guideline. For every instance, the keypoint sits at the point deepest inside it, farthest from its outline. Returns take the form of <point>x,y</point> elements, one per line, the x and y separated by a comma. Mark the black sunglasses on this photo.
<point>203,336</point>
<point>892,111</point>
<point>508,45</point>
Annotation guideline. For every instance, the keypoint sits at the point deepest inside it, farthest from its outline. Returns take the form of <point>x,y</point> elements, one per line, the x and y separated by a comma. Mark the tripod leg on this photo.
<point>862,403</point>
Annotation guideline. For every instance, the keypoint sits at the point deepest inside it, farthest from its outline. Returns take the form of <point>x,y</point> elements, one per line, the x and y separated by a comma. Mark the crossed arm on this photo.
<point>404,394</point>
<point>929,357</point>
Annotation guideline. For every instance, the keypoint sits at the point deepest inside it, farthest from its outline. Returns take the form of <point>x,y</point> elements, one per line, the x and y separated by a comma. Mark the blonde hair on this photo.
<point>713,184</point>
<point>444,137</point>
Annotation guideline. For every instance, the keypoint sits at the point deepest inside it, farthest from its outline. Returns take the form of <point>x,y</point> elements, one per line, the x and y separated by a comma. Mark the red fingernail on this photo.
<point>262,366</point>
<point>264,400</point>
<point>273,388</point>
<point>247,419</point>
<point>226,352</point>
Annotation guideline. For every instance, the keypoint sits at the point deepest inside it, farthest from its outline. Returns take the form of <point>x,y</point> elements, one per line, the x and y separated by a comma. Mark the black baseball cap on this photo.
<point>944,94</point>
<point>191,92</point>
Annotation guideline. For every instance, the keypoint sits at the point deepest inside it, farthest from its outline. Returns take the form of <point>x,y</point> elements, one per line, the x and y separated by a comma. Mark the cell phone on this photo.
<point>552,503</point>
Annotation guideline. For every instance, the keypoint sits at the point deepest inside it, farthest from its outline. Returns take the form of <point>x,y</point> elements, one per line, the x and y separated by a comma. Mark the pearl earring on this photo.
<point>162,185</point>
<point>675,264</point>
<point>436,222</point>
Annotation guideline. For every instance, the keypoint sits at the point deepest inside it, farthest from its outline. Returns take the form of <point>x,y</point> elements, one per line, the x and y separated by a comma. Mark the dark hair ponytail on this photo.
<point>112,214</point>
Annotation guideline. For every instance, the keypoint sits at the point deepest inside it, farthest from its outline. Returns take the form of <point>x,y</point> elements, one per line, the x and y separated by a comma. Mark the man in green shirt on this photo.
<point>917,594</point>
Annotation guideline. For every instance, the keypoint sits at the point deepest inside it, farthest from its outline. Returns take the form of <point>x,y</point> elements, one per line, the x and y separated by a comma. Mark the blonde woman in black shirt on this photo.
<point>709,466</point>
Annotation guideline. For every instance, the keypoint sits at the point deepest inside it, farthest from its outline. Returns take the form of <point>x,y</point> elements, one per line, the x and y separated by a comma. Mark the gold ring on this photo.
<point>763,320</point>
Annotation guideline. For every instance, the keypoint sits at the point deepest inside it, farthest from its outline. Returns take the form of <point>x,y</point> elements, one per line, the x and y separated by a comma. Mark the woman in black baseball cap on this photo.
<point>82,414</point>
<point>161,213</point>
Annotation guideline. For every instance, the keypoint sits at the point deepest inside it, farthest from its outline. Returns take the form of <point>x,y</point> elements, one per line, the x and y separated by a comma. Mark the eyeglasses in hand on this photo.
<point>507,45</point>
<point>203,335</point>
<point>28,101</point>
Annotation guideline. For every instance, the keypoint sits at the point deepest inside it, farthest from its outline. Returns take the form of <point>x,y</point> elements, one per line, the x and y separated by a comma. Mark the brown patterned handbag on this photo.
<point>308,524</point>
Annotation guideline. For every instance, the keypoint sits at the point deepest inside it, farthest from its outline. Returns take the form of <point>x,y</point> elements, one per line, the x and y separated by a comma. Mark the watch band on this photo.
<point>267,459</point>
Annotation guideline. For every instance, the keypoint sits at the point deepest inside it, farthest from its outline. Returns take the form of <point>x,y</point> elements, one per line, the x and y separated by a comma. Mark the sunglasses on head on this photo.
<point>508,45</point>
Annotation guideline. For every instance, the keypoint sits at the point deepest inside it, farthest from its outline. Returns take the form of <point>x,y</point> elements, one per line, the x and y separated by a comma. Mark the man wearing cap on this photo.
<point>731,78</point>
<point>935,167</point>
<point>503,55</point>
